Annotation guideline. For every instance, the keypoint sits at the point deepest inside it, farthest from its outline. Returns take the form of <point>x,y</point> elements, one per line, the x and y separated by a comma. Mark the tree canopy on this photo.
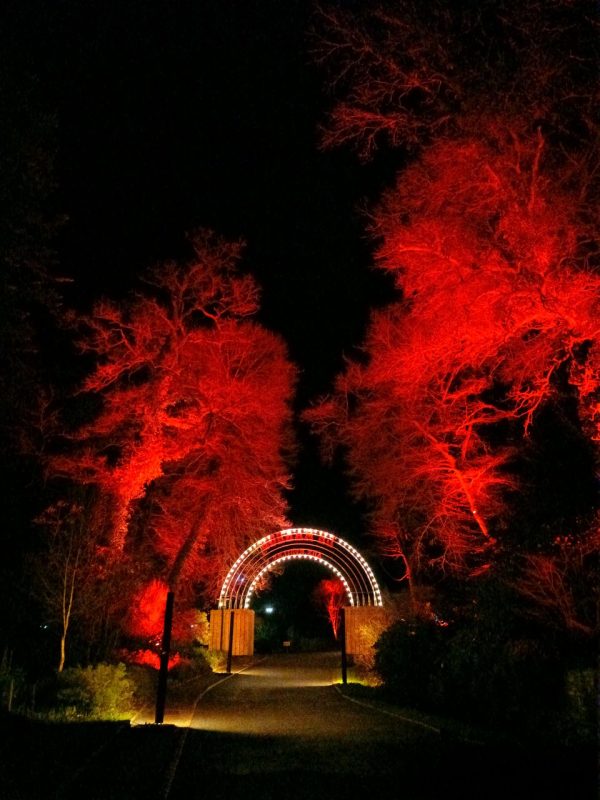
<point>191,434</point>
<point>490,232</point>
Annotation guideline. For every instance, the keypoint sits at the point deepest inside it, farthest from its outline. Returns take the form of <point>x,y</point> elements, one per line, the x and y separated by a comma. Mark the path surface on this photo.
<point>281,730</point>
<point>284,716</point>
<point>278,730</point>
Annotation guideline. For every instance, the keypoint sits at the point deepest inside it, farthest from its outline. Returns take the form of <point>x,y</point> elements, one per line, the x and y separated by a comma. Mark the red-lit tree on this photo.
<point>500,309</point>
<point>193,427</point>
<point>489,233</point>
<point>330,595</point>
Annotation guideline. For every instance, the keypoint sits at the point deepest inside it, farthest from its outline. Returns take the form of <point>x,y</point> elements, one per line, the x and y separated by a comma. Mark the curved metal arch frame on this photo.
<point>291,557</point>
<point>311,544</point>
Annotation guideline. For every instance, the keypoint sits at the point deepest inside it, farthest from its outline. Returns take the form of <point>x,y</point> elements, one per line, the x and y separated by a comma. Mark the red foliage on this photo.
<point>191,439</point>
<point>483,238</point>
<point>491,235</point>
<point>148,658</point>
<point>148,610</point>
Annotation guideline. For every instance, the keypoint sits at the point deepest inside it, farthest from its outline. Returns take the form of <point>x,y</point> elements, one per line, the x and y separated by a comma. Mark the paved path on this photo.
<point>279,731</point>
<point>289,716</point>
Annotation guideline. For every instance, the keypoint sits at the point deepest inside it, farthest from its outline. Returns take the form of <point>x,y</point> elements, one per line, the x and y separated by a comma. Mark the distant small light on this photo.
<point>269,610</point>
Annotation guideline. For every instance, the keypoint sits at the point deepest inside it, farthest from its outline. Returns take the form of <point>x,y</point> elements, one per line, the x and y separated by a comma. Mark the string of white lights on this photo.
<point>319,548</point>
<point>292,557</point>
<point>335,553</point>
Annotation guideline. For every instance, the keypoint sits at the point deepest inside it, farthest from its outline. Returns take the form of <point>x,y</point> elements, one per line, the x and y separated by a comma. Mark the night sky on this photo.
<point>207,115</point>
<point>173,116</point>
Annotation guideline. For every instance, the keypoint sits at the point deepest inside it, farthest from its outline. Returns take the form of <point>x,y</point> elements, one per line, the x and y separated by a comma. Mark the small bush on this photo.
<point>103,691</point>
<point>217,660</point>
<point>369,633</point>
<point>581,690</point>
<point>195,665</point>
<point>408,660</point>
<point>190,628</point>
<point>144,680</point>
<point>498,680</point>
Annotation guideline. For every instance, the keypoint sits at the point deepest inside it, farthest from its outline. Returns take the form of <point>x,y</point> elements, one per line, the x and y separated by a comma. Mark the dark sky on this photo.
<point>176,115</point>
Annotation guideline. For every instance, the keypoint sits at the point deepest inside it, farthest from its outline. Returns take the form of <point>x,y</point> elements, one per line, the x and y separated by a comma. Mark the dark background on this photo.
<point>168,116</point>
<point>174,116</point>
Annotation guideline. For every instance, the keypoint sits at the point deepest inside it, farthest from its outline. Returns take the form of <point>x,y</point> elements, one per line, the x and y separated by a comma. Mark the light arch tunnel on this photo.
<point>364,603</point>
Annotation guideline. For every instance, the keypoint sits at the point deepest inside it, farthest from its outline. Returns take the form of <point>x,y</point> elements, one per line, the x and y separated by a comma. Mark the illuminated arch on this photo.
<point>300,544</point>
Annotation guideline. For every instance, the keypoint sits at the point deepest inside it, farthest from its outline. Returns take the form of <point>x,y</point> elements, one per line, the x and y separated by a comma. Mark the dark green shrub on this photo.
<point>474,671</point>
<point>408,659</point>
<point>103,691</point>
<point>581,701</point>
<point>494,680</point>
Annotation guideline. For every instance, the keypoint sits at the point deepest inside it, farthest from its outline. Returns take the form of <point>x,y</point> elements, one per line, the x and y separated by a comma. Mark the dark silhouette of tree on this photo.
<point>408,75</point>
<point>29,302</point>
<point>68,570</point>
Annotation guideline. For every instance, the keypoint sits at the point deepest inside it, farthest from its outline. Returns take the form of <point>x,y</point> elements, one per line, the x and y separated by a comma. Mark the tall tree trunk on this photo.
<point>63,640</point>
<point>69,580</point>
<point>186,548</point>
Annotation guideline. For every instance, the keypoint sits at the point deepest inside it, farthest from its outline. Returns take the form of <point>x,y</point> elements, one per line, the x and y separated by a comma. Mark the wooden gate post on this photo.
<point>343,642</point>
<point>230,651</point>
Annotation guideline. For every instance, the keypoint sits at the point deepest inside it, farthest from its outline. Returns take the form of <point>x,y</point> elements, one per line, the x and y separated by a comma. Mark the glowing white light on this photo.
<point>299,538</point>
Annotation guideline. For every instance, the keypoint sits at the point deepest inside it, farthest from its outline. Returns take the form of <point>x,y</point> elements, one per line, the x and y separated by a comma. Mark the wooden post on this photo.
<point>230,651</point>
<point>343,643</point>
<point>165,649</point>
<point>221,630</point>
